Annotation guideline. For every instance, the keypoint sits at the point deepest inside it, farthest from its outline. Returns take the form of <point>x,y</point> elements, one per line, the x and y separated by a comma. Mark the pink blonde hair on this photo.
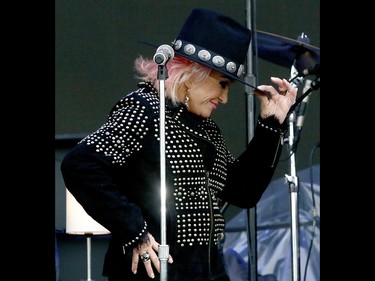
<point>179,69</point>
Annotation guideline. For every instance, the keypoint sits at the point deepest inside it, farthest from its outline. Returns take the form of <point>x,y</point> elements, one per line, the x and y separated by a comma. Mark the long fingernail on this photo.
<point>152,276</point>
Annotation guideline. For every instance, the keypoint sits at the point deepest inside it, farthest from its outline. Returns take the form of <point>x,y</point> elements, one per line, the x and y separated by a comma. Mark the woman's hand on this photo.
<point>278,102</point>
<point>146,252</point>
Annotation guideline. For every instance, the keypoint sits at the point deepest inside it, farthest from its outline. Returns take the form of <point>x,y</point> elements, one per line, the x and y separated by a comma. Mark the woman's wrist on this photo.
<point>272,123</point>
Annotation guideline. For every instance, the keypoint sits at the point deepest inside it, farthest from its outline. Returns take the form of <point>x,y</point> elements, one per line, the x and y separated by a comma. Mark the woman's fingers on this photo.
<point>147,254</point>
<point>135,260</point>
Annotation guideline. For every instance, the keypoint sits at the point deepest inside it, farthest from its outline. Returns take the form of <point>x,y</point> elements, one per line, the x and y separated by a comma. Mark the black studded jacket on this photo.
<point>115,175</point>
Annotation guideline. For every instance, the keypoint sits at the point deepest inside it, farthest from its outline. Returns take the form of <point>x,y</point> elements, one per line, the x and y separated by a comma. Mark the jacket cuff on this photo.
<point>141,238</point>
<point>272,123</point>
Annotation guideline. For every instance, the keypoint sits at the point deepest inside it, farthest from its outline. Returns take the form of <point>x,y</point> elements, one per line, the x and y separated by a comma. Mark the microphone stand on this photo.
<point>163,251</point>
<point>292,180</point>
<point>251,214</point>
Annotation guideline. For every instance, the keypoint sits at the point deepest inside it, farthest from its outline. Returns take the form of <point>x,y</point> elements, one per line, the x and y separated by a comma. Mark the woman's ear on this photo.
<point>188,84</point>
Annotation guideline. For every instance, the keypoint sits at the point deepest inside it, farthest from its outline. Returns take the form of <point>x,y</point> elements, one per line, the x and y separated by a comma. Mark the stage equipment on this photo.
<point>78,222</point>
<point>303,65</point>
<point>167,53</point>
<point>284,52</point>
<point>281,50</point>
<point>250,78</point>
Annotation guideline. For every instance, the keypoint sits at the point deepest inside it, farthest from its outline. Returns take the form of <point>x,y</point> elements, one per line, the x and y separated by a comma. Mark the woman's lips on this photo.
<point>214,105</point>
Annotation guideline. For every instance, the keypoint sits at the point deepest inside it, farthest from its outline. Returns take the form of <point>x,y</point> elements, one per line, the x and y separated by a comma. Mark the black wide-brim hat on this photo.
<point>216,41</point>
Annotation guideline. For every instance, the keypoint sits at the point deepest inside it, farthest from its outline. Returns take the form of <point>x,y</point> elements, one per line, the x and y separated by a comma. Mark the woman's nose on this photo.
<point>224,97</point>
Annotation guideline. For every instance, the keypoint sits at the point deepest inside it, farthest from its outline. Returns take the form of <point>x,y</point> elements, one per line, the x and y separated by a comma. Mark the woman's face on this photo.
<point>206,96</point>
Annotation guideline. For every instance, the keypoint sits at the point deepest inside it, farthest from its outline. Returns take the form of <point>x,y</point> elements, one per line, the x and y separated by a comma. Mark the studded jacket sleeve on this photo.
<point>89,170</point>
<point>250,174</point>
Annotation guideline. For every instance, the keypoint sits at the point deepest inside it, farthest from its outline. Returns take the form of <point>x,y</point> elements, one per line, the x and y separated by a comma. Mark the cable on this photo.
<point>315,213</point>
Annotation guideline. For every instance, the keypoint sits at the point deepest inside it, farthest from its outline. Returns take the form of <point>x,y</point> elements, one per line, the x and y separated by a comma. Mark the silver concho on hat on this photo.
<point>204,55</point>
<point>189,49</point>
<point>207,56</point>
<point>177,44</point>
<point>218,61</point>
<point>231,67</point>
<point>241,70</point>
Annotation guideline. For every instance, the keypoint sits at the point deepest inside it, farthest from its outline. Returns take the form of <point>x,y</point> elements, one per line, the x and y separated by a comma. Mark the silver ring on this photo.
<point>145,257</point>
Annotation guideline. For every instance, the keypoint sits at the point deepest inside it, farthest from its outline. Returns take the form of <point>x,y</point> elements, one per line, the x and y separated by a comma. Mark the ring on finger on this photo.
<point>145,257</point>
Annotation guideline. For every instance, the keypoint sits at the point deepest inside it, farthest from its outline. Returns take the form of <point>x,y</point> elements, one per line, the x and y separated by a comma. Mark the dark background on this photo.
<point>96,43</point>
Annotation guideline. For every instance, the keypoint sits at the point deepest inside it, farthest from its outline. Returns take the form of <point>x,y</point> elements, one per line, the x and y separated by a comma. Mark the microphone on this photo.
<point>300,118</point>
<point>301,114</point>
<point>163,54</point>
<point>315,69</point>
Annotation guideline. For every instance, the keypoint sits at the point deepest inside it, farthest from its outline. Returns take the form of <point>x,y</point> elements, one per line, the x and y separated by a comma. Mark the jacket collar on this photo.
<point>191,122</point>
